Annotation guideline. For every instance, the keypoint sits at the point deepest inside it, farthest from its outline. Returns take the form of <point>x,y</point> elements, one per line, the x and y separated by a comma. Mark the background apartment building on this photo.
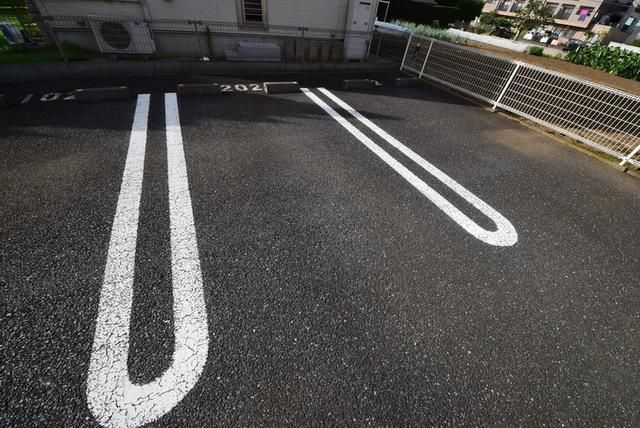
<point>591,20</point>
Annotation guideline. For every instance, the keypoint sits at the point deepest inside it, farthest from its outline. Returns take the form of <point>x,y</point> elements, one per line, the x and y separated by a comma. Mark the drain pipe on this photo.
<point>144,5</point>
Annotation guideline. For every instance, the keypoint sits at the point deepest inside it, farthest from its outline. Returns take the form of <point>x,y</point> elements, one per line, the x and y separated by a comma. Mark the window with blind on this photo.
<point>252,11</point>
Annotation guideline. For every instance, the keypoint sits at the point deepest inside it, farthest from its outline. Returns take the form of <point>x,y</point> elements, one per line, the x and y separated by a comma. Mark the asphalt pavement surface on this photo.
<point>339,290</point>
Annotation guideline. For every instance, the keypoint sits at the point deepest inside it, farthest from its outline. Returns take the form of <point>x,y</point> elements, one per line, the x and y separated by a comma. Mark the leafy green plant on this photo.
<point>4,45</point>
<point>616,61</point>
<point>428,31</point>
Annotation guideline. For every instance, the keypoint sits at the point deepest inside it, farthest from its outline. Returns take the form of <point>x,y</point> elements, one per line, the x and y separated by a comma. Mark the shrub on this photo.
<point>536,50</point>
<point>612,60</point>
<point>636,43</point>
<point>481,28</point>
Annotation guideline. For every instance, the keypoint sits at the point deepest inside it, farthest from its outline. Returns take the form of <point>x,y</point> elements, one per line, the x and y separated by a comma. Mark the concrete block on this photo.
<point>406,81</point>
<point>358,84</point>
<point>281,87</point>
<point>199,89</point>
<point>85,69</point>
<point>167,68</point>
<point>101,94</point>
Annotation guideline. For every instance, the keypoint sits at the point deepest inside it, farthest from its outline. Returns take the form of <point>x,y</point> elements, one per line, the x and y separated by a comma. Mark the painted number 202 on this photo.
<point>240,87</point>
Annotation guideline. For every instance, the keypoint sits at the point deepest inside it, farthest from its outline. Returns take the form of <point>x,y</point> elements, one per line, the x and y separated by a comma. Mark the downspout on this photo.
<point>145,9</point>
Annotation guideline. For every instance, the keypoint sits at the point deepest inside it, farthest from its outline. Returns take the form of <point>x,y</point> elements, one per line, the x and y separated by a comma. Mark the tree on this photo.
<point>428,11</point>
<point>495,20</point>
<point>534,14</point>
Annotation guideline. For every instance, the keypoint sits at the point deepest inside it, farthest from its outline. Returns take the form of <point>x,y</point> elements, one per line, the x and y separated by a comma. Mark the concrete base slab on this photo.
<point>27,72</point>
<point>358,84</point>
<point>281,87</point>
<point>406,81</point>
<point>199,89</point>
<point>102,94</point>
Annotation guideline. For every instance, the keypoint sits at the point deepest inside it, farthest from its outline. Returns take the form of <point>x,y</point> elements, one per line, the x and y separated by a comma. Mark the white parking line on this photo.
<point>113,399</point>
<point>504,235</point>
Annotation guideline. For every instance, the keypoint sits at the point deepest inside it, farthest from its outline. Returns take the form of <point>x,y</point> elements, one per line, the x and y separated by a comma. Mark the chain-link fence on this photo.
<point>387,46</point>
<point>604,118</point>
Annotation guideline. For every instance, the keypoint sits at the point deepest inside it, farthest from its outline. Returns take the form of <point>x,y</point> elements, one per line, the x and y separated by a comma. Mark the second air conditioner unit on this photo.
<point>122,36</point>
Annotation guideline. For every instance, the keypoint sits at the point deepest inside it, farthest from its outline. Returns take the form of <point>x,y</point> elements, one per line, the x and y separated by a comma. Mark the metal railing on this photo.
<point>604,118</point>
<point>87,37</point>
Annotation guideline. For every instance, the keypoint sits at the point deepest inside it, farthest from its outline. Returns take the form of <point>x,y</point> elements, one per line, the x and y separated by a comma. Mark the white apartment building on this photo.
<point>152,26</point>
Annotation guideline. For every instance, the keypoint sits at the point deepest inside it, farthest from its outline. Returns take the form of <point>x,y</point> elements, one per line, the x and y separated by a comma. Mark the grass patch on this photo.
<point>40,55</point>
<point>428,31</point>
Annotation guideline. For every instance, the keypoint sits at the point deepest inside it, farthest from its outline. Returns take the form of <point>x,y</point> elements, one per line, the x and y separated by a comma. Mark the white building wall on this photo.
<point>205,10</point>
<point>308,13</point>
<point>90,7</point>
<point>330,14</point>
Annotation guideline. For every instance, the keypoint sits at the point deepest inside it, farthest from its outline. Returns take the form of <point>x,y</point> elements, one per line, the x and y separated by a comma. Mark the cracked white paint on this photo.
<point>505,234</point>
<point>113,399</point>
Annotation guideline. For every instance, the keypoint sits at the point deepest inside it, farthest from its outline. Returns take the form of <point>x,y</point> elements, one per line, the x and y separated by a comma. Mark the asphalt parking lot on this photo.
<point>394,256</point>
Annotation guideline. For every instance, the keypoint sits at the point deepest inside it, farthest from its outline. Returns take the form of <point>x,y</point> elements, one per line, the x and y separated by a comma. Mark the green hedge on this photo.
<point>612,60</point>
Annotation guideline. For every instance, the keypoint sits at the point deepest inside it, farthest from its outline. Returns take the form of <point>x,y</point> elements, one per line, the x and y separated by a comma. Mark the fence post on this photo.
<point>195,28</point>
<point>380,35</point>
<point>303,44</point>
<point>52,35</point>
<point>506,86</point>
<point>404,58</point>
<point>425,59</point>
<point>628,158</point>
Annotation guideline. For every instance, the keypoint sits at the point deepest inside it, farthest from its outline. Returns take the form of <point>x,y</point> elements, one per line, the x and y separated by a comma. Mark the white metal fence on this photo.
<point>604,118</point>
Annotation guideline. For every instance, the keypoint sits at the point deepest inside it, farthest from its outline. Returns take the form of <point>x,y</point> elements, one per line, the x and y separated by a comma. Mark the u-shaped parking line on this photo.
<point>113,399</point>
<point>505,234</point>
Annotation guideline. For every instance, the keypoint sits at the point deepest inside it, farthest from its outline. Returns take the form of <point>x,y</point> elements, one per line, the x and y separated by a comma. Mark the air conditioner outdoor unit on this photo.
<point>122,36</point>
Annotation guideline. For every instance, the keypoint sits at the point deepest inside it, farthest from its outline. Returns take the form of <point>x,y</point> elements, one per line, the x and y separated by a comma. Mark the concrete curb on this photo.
<point>198,89</point>
<point>406,81</point>
<point>281,87</point>
<point>358,84</point>
<point>123,68</point>
<point>102,94</point>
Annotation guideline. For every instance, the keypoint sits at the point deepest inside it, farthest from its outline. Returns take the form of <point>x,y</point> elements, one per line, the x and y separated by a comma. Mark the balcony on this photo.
<point>517,7</point>
<point>564,13</point>
<point>504,6</point>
